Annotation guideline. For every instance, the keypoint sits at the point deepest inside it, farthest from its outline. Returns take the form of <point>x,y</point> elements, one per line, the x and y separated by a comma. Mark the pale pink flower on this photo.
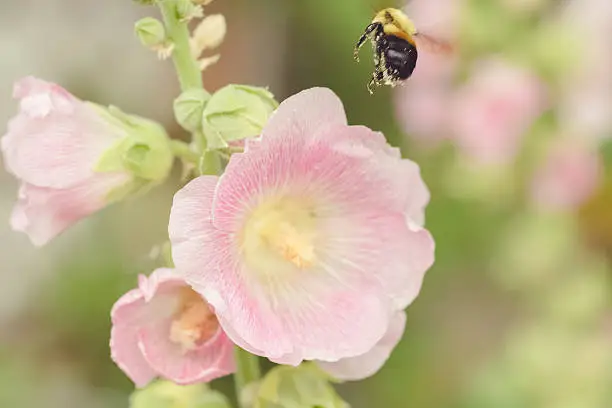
<point>585,105</point>
<point>368,364</point>
<point>165,329</point>
<point>310,240</point>
<point>568,176</point>
<point>52,146</point>
<point>493,111</point>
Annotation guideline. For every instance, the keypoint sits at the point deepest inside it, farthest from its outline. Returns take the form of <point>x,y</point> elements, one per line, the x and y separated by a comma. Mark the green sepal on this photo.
<point>297,387</point>
<point>189,108</point>
<point>187,9</point>
<point>209,163</point>
<point>144,150</point>
<point>236,112</point>
<point>150,31</point>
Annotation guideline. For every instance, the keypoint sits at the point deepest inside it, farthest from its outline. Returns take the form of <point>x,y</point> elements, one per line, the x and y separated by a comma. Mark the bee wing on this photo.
<point>433,44</point>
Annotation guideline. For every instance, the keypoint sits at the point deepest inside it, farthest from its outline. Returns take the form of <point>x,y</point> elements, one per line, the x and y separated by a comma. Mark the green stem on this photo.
<point>183,151</point>
<point>247,371</point>
<point>186,66</point>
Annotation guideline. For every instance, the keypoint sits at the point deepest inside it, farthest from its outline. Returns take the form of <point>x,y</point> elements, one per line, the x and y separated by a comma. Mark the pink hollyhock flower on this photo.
<point>494,110</point>
<point>53,146</point>
<point>568,177</point>
<point>366,365</point>
<point>310,240</point>
<point>163,328</point>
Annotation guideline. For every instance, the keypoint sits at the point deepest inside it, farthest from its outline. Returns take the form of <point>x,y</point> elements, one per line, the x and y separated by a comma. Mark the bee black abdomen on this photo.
<point>400,57</point>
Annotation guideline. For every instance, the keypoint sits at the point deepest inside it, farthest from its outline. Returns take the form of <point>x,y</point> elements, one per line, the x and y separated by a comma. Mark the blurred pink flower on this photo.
<point>586,100</point>
<point>492,112</point>
<point>163,328</point>
<point>568,177</point>
<point>423,102</point>
<point>312,237</point>
<point>366,365</point>
<point>52,146</point>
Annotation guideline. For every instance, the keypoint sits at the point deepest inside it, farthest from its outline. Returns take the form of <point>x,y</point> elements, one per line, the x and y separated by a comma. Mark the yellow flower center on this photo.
<point>278,231</point>
<point>195,323</point>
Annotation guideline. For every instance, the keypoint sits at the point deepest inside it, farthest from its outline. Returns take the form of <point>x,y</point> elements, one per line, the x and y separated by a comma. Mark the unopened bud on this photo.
<point>236,112</point>
<point>187,10</point>
<point>150,32</point>
<point>189,107</point>
<point>208,34</point>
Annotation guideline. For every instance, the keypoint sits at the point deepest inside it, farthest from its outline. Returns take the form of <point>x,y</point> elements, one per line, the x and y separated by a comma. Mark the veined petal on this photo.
<point>366,365</point>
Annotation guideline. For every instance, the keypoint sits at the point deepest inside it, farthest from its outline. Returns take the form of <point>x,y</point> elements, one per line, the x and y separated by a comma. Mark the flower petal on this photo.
<point>186,367</point>
<point>304,113</point>
<point>56,151</point>
<point>124,339</point>
<point>43,213</point>
<point>366,365</point>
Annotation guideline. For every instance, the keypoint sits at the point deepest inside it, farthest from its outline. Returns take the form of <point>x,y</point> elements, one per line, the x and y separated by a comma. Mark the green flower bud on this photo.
<point>189,108</point>
<point>187,10</point>
<point>297,387</point>
<point>236,112</point>
<point>150,32</point>
<point>166,394</point>
<point>144,151</point>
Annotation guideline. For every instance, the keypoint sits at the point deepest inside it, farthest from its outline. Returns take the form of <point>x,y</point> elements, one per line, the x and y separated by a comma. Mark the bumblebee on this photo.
<point>393,36</point>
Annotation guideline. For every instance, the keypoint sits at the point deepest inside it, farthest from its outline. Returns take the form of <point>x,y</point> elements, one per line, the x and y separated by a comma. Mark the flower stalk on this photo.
<point>247,372</point>
<point>189,75</point>
<point>178,33</point>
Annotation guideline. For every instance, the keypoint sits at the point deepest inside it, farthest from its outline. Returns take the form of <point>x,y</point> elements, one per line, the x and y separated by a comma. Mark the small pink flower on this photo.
<point>52,146</point>
<point>366,365</point>
<point>494,110</point>
<point>568,177</point>
<point>163,328</point>
<point>310,240</point>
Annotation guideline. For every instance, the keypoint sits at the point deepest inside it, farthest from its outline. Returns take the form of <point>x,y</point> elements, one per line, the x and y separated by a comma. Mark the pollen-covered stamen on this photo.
<point>280,228</point>
<point>194,324</point>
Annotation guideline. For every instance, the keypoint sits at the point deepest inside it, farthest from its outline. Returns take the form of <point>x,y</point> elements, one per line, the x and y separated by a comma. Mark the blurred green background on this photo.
<point>514,314</point>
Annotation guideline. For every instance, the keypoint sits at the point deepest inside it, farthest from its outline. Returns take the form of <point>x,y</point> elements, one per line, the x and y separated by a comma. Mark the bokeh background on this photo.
<point>513,136</point>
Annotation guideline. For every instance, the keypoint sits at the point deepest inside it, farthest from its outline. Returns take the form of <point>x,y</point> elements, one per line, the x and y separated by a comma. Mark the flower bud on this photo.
<point>144,152</point>
<point>236,112</point>
<point>189,107</point>
<point>303,386</point>
<point>150,32</point>
<point>208,34</point>
<point>74,157</point>
<point>188,10</point>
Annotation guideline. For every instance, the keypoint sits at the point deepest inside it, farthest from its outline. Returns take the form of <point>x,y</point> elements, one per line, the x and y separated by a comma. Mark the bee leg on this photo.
<point>377,77</point>
<point>367,34</point>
